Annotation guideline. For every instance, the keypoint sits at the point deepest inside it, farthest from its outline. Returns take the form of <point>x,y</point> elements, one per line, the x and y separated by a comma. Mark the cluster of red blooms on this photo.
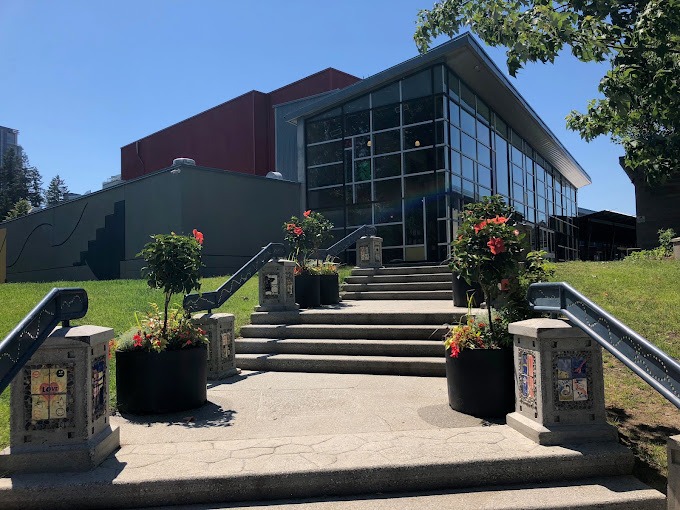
<point>297,230</point>
<point>198,236</point>
<point>496,244</point>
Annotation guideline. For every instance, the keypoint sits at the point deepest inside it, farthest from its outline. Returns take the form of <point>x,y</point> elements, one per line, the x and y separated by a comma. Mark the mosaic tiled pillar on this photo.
<point>369,252</point>
<point>673,493</point>
<point>219,328</point>
<point>277,286</point>
<point>676,247</point>
<point>59,405</point>
<point>559,386</point>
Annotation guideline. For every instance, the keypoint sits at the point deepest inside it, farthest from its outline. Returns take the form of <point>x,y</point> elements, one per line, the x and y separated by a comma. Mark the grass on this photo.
<point>644,296</point>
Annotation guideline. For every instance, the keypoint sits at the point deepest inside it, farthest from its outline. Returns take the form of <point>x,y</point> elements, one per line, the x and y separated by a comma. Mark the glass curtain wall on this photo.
<point>408,156</point>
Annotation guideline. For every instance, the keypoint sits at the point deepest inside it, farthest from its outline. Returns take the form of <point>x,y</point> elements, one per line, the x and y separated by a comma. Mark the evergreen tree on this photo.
<point>35,191</point>
<point>21,208</point>
<point>14,181</point>
<point>56,191</point>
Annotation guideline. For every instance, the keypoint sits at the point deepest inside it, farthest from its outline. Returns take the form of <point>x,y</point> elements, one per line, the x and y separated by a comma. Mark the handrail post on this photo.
<point>369,252</point>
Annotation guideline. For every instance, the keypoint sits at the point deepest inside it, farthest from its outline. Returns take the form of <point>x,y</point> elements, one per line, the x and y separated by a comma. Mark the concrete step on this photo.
<point>613,493</point>
<point>433,332</point>
<point>399,294</point>
<point>399,348</point>
<point>338,364</point>
<point>396,287</point>
<point>330,316</point>
<point>401,270</point>
<point>405,278</point>
<point>345,465</point>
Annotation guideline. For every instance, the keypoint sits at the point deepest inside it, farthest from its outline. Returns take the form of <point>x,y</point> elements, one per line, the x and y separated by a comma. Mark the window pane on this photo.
<point>417,85</point>
<point>467,122</point>
<point>483,133</point>
<point>359,214</point>
<point>454,138</point>
<point>518,192</point>
<point>418,136</point>
<point>324,153</point>
<point>483,110</point>
<point>357,105</point>
<point>454,113</point>
<point>388,190</point>
<point>389,212</point>
<point>501,166</point>
<point>468,146</point>
<point>517,175</point>
<point>324,176</point>
<point>387,166</point>
<point>337,218</point>
<point>385,117</point>
<point>413,224</point>
<point>439,106</point>
<point>349,176</point>
<point>322,130</point>
<point>467,97</point>
<point>362,170</point>
<point>329,197</point>
<point>362,193</point>
<point>483,154</point>
<point>468,189</point>
<point>439,79</point>
<point>454,86</point>
<point>455,163</point>
<point>484,176</point>
<point>362,146</point>
<point>501,127</point>
<point>468,169</point>
<point>420,186</point>
<point>418,110</point>
<point>386,95</point>
<point>357,123</point>
<point>420,161</point>
<point>387,141</point>
<point>484,192</point>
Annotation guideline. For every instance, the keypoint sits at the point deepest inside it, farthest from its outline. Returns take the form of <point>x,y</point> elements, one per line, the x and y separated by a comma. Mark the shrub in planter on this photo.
<point>330,284</point>
<point>161,364</point>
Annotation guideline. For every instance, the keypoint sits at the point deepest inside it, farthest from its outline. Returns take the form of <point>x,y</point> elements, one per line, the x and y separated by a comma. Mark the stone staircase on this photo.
<point>399,282</point>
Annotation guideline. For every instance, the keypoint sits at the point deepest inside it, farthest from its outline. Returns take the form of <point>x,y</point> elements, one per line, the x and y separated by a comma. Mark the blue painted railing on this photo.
<point>59,305</point>
<point>655,367</point>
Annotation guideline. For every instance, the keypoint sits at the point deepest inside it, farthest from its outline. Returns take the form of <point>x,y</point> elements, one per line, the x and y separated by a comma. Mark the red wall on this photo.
<point>237,135</point>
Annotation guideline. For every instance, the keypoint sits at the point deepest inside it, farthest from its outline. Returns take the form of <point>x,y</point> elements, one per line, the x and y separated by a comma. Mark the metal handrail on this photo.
<point>347,241</point>
<point>59,305</point>
<point>211,300</point>
<point>651,364</point>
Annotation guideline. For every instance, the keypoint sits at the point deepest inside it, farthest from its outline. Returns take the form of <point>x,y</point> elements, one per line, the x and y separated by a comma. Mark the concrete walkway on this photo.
<point>295,435</point>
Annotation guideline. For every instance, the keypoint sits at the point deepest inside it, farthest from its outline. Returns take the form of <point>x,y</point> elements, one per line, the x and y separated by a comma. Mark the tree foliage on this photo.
<point>21,208</point>
<point>56,191</point>
<point>18,181</point>
<point>640,107</point>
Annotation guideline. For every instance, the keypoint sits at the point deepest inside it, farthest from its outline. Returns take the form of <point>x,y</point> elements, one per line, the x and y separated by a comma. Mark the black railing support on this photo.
<point>651,364</point>
<point>59,305</point>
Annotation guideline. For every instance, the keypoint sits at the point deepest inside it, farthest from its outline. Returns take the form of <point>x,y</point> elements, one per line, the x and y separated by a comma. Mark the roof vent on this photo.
<point>183,161</point>
<point>275,175</point>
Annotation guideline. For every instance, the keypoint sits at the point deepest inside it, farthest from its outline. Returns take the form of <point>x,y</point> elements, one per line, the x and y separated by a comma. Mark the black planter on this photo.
<point>161,382</point>
<point>330,289</point>
<point>481,382</point>
<point>308,290</point>
<point>462,291</point>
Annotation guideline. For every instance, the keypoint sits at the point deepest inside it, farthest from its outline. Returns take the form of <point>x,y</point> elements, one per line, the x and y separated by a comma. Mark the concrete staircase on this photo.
<point>399,282</point>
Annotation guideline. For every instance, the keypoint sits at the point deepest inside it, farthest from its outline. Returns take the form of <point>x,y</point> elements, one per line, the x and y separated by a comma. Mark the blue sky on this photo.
<point>81,78</point>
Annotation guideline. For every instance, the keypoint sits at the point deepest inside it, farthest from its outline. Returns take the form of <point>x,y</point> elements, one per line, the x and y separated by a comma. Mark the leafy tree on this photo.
<point>21,208</point>
<point>639,38</point>
<point>13,180</point>
<point>56,191</point>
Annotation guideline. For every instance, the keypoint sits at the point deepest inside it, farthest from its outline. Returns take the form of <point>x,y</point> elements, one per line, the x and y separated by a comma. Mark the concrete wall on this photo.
<point>99,235</point>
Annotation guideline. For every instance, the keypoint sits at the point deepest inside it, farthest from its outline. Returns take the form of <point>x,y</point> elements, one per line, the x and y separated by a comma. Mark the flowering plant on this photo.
<point>306,235</point>
<point>477,333</point>
<point>173,264</point>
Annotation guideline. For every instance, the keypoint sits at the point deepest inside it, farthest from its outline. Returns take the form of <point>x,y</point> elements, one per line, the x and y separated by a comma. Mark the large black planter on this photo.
<point>330,289</point>
<point>161,382</point>
<point>308,290</point>
<point>462,291</point>
<point>481,382</point>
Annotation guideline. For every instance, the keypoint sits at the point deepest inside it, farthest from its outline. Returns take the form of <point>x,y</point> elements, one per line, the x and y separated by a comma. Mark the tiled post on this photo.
<point>676,247</point>
<point>219,328</point>
<point>369,252</point>
<point>277,286</point>
<point>59,405</point>
<point>559,385</point>
<point>673,493</point>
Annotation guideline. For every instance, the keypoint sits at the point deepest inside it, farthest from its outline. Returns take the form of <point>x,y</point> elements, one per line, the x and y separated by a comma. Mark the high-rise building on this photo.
<point>9,138</point>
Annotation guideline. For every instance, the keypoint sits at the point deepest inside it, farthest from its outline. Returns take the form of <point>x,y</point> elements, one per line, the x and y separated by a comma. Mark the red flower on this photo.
<point>307,213</point>
<point>481,325</point>
<point>516,232</point>
<point>505,284</point>
<point>290,226</point>
<point>480,226</point>
<point>455,351</point>
<point>496,245</point>
<point>298,231</point>
<point>198,236</point>
<point>498,220</point>
<point>137,339</point>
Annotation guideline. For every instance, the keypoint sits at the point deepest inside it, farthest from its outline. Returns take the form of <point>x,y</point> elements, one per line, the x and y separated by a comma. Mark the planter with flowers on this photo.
<point>161,365</point>
<point>329,282</point>
<point>305,236</point>
<point>479,367</point>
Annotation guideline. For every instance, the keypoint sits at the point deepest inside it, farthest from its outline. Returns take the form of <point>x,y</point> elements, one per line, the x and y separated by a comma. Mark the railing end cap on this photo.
<point>545,329</point>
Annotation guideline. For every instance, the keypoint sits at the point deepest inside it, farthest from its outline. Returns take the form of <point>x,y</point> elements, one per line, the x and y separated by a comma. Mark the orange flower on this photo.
<point>137,339</point>
<point>290,226</point>
<point>480,226</point>
<point>198,236</point>
<point>307,213</point>
<point>496,245</point>
<point>516,232</point>
<point>298,231</point>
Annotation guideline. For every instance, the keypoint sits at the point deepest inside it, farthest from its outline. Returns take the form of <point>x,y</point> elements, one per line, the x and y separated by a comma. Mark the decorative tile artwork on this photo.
<point>377,253</point>
<point>48,396</point>
<point>226,340</point>
<point>271,285</point>
<point>573,380</point>
<point>527,377</point>
<point>99,387</point>
<point>364,255</point>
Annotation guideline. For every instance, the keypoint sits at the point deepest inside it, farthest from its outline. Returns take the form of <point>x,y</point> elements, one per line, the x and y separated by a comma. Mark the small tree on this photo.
<point>305,236</point>
<point>56,191</point>
<point>21,208</point>
<point>173,266</point>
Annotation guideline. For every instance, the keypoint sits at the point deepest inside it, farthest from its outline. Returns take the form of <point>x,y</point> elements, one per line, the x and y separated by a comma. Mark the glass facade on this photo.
<point>407,158</point>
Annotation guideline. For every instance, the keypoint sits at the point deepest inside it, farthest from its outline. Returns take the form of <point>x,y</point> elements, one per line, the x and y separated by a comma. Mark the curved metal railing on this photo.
<point>59,305</point>
<point>655,367</point>
<point>346,242</point>
<point>211,300</point>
